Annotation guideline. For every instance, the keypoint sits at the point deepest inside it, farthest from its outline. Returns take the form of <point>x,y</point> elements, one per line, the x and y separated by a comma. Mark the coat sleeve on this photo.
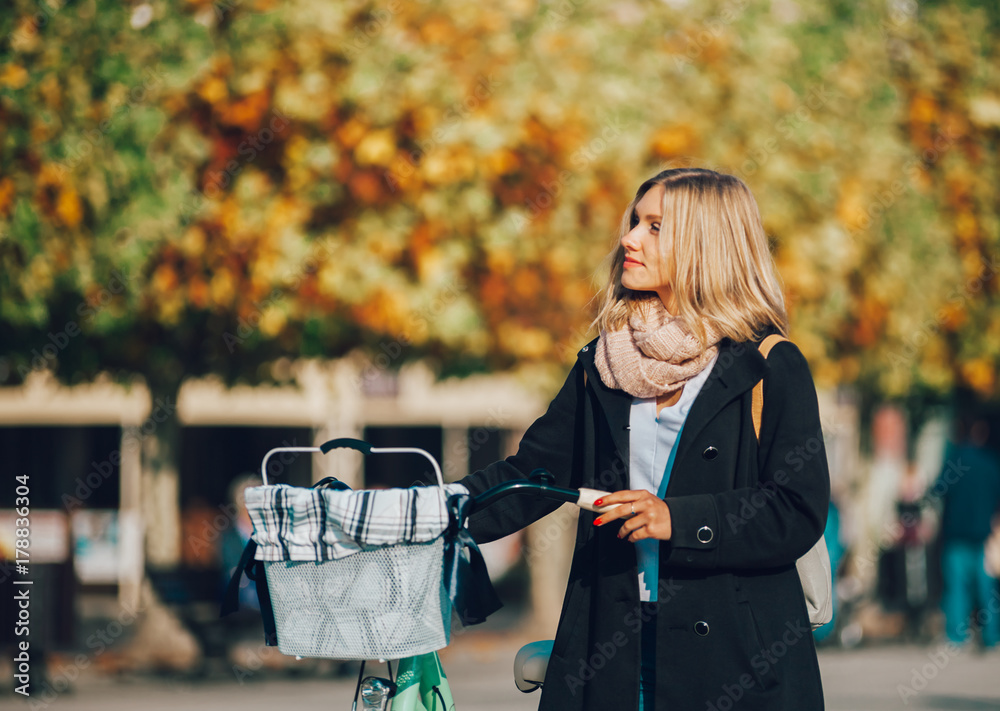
<point>779,519</point>
<point>549,443</point>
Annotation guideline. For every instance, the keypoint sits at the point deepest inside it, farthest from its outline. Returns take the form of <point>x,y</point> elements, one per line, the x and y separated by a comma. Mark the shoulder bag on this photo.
<point>814,566</point>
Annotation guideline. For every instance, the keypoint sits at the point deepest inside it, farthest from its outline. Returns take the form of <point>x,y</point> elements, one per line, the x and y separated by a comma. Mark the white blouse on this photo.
<point>652,440</point>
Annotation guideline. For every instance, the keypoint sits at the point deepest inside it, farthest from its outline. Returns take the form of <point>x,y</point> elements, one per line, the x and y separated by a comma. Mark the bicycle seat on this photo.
<point>530,664</point>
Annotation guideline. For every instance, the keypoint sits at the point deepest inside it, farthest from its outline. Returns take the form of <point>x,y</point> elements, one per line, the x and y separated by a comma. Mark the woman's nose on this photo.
<point>630,240</point>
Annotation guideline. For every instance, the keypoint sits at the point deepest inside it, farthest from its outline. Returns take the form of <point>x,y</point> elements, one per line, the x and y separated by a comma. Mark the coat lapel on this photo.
<point>737,369</point>
<point>616,404</point>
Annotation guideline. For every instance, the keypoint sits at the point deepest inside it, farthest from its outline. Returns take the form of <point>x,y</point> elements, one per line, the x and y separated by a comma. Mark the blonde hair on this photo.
<point>720,268</point>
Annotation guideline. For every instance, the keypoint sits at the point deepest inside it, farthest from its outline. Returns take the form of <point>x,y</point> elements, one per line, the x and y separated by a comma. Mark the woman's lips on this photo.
<point>630,262</point>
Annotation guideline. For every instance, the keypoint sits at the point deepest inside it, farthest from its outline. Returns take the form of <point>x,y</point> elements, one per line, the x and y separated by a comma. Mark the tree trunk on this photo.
<point>161,482</point>
<point>161,640</point>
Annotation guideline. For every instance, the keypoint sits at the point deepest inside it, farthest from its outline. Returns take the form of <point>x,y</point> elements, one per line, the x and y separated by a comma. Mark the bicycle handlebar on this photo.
<point>538,482</point>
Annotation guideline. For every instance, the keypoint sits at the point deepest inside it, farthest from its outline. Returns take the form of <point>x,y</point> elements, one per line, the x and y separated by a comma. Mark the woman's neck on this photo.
<point>668,400</point>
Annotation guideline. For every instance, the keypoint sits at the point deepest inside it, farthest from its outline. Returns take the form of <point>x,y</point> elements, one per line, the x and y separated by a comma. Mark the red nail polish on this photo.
<point>597,522</point>
<point>598,502</point>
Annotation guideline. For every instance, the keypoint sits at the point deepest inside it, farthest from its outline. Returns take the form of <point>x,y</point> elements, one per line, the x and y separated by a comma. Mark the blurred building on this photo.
<point>99,522</point>
<point>80,447</point>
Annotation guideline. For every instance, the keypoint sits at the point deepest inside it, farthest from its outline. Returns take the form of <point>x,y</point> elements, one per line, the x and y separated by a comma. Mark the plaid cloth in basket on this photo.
<point>299,524</point>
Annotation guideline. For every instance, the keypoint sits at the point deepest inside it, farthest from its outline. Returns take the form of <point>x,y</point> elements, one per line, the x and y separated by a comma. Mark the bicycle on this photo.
<point>327,608</point>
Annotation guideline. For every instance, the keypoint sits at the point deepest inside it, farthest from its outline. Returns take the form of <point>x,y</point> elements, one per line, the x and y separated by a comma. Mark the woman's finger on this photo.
<point>626,500</point>
<point>624,510</point>
<point>651,520</point>
<point>635,528</point>
<point>619,512</point>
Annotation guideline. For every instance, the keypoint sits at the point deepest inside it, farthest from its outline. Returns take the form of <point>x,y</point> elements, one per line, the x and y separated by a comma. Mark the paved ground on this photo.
<point>478,666</point>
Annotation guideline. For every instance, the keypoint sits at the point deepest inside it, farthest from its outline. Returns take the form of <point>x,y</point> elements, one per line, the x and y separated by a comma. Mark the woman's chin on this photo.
<point>637,286</point>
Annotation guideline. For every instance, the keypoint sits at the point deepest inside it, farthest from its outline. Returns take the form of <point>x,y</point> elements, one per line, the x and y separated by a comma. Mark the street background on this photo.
<point>232,225</point>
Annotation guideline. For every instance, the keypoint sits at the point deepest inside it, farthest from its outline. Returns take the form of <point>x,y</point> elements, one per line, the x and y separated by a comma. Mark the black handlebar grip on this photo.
<point>346,442</point>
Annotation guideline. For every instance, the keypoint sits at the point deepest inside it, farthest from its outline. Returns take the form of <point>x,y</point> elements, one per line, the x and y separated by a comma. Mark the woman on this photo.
<point>684,595</point>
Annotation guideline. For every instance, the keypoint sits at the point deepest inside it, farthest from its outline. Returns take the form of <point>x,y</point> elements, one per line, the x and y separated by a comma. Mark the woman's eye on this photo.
<point>655,227</point>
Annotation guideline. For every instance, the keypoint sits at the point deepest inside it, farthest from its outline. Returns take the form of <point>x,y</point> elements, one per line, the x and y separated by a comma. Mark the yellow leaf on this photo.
<point>222,288</point>
<point>350,132</point>
<point>68,207</point>
<point>980,375</point>
<point>192,242</point>
<point>272,321</point>
<point>675,140</point>
<point>164,280</point>
<point>923,109</point>
<point>525,342</point>
<point>502,161</point>
<point>213,90</point>
<point>6,195</point>
<point>13,76</point>
<point>376,148</point>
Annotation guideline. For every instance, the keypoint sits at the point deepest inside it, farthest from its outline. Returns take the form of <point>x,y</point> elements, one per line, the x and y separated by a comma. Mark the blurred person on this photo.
<point>684,595</point>
<point>877,503</point>
<point>234,539</point>
<point>969,490</point>
<point>904,568</point>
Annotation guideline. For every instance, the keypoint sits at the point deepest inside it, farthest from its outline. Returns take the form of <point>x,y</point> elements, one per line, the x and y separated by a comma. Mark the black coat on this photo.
<point>731,620</point>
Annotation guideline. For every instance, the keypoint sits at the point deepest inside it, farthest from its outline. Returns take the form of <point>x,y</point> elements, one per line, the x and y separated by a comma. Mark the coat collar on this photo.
<point>737,369</point>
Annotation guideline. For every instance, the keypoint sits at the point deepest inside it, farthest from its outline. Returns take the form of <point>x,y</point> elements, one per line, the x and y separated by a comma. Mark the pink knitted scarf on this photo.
<point>654,355</point>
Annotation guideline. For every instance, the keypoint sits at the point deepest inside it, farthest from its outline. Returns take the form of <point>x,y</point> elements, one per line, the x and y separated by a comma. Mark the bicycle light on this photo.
<point>376,692</point>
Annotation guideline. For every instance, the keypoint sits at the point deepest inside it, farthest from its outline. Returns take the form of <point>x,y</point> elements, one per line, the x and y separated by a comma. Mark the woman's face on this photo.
<point>645,267</point>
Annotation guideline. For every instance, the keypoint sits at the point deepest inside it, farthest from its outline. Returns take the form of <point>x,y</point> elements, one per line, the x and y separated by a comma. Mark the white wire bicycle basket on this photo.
<point>355,574</point>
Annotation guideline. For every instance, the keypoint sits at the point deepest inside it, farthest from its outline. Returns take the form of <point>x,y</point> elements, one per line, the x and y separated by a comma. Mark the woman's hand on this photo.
<point>646,516</point>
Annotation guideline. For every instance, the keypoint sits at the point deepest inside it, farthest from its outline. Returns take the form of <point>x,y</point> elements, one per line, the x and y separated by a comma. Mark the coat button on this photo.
<point>701,628</point>
<point>705,534</point>
<point>710,453</point>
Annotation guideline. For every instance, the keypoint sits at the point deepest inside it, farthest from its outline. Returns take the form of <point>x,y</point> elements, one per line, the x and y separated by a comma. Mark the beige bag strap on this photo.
<point>814,567</point>
<point>757,405</point>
